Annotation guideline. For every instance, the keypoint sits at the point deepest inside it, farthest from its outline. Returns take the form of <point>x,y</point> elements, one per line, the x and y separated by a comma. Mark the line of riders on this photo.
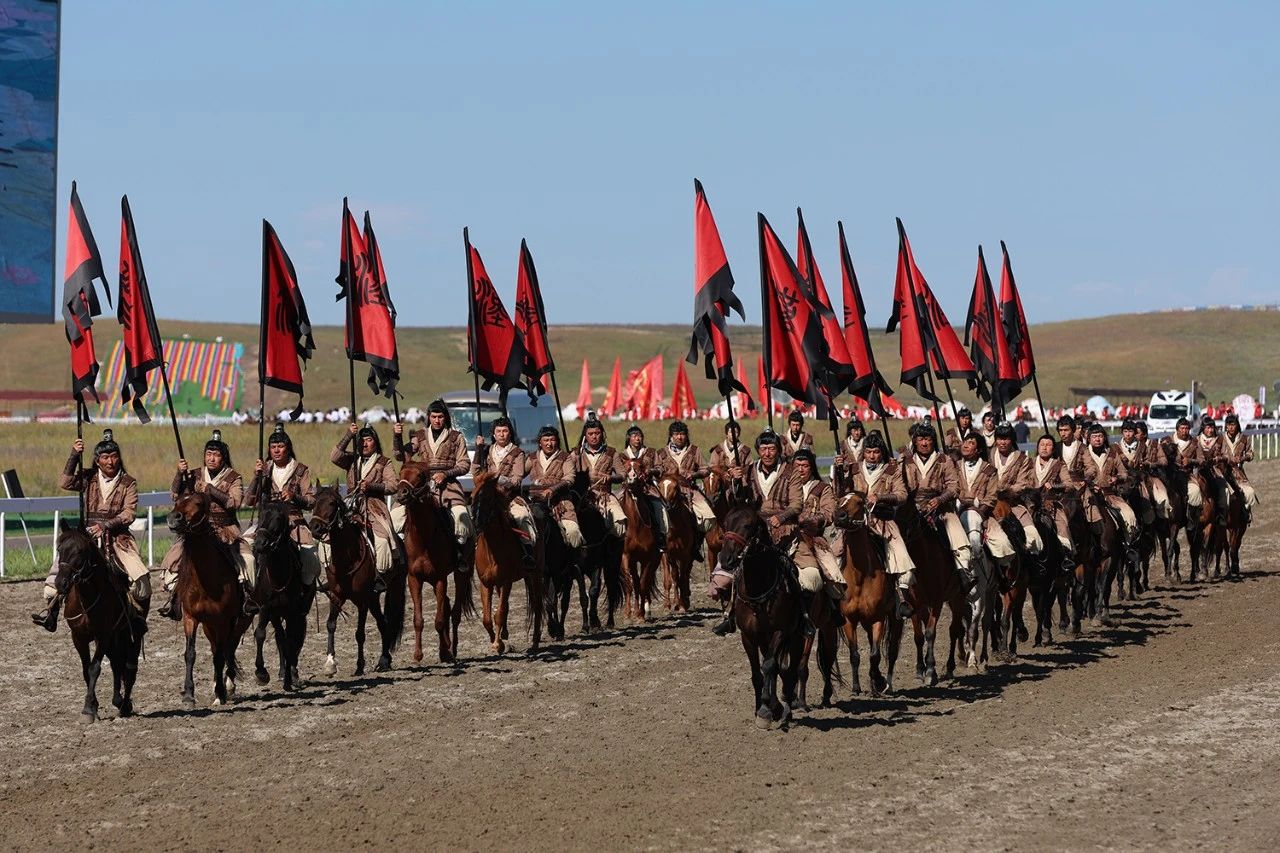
<point>954,484</point>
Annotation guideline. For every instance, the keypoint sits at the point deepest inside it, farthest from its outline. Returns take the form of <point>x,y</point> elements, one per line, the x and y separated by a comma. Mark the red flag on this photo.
<point>987,345</point>
<point>636,395</point>
<point>531,322</point>
<point>613,396</point>
<point>867,384</point>
<point>762,384</point>
<point>584,391</point>
<point>370,328</point>
<point>494,350</point>
<point>657,387</point>
<point>713,298</point>
<point>682,399</point>
<point>80,299</point>
<point>1014,323</point>
<point>141,337</point>
<point>839,366</point>
<point>795,346</point>
<point>377,319</point>
<point>285,330</point>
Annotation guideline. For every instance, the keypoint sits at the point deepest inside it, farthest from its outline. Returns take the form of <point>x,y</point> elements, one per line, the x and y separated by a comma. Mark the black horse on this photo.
<point>768,610</point>
<point>283,600</point>
<point>102,621</point>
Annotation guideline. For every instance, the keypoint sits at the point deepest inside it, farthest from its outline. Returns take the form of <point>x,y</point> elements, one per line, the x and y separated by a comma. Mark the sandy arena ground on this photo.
<point>1160,731</point>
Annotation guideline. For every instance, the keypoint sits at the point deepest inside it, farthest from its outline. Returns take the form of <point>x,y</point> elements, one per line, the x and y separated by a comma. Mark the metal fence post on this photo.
<point>151,526</point>
<point>2,538</point>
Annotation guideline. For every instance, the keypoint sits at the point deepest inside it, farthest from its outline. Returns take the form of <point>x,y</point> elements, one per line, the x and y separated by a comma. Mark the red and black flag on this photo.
<point>925,328</point>
<point>531,323</point>
<point>713,298</point>
<point>370,332</point>
<point>867,383</point>
<point>285,335</point>
<point>985,337</point>
<point>80,299</point>
<point>494,348</point>
<point>795,349</point>
<point>1022,364</point>
<point>143,351</point>
<point>839,370</point>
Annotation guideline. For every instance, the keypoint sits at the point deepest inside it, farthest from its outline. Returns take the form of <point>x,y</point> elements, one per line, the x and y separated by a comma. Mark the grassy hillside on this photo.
<point>1228,352</point>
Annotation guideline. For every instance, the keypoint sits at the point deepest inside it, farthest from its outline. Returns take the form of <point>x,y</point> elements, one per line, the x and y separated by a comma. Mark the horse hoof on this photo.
<point>764,720</point>
<point>231,690</point>
<point>126,709</point>
<point>330,666</point>
<point>384,664</point>
<point>87,718</point>
<point>263,677</point>
<point>188,703</point>
<point>218,703</point>
<point>417,657</point>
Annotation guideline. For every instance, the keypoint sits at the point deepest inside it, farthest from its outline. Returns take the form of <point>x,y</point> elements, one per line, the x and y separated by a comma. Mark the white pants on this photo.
<point>522,519</point>
<point>1126,514</point>
<point>899,560</point>
<point>1194,498</point>
<point>246,566</point>
<point>958,540</point>
<point>1250,494</point>
<point>818,568</point>
<point>130,561</point>
<point>464,528</point>
<point>998,544</point>
<point>1160,497</point>
<point>571,532</point>
<point>381,554</point>
<point>611,508</point>
<point>702,510</point>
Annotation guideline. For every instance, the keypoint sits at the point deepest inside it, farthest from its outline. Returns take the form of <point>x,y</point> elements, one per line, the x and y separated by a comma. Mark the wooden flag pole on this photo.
<point>764,326</point>
<point>351,297</point>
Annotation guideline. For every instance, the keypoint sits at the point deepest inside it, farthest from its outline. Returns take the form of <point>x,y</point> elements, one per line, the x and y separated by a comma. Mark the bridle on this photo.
<point>747,545</point>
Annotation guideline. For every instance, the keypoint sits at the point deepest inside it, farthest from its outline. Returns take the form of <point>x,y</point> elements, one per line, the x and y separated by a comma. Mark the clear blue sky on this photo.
<point>1125,151</point>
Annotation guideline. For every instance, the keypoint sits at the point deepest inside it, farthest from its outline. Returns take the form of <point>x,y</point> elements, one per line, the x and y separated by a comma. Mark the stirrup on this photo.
<point>47,618</point>
<point>727,625</point>
<point>379,583</point>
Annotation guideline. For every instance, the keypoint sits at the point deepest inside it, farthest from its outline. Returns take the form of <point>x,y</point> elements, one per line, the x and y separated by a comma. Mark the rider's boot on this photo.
<point>806,606</point>
<point>172,609</point>
<point>528,553</point>
<point>699,538</point>
<point>48,618</point>
<point>727,625</point>
<point>904,608</point>
<point>250,607</point>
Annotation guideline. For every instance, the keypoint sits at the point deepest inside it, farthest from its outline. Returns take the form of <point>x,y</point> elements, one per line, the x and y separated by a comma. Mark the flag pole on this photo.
<point>471,326</point>
<point>764,326</point>
<point>262,346</point>
<point>351,296</point>
<point>80,406</point>
<point>1044,421</point>
<point>555,393</point>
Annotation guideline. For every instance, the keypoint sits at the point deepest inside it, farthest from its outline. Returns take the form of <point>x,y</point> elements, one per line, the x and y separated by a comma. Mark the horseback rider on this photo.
<point>683,460</point>
<point>507,462</point>
<point>1182,454</point>
<point>1236,450</point>
<point>1069,448</point>
<point>595,458</point>
<point>550,471</point>
<point>880,479</point>
<point>1134,455</point>
<point>795,438</point>
<point>443,450</point>
<point>370,479</point>
<point>110,506</point>
<point>1105,472</point>
<point>225,488</point>
<point>988,431</point>
<point>283,478</point>
<point>816,561</point>
<point>933,484</point>
<point>1211,450</point>
<point>976,500</point>
<point>1051,480</point>
<point>724,455</point>
<point>1015,483</point>
<point>638,463</point>
<point>958,433</point>
<point>850,455</point>
<point>1152,468</point>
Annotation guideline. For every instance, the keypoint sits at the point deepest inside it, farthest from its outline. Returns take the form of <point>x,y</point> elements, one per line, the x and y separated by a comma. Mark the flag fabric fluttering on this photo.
<point>682,400</point>
<point>988,347</point>
<point>495,351</point>
<point>143,351</point>
<point>644,391</point>
<point>613,394</point>
<point>285,336</point>
<point>796,349</point>
<point>583,403</point>
<point>838,371</point>
<point>713,298</point>
<point>80,300</point>
<point>765,400</point>
<point>531,323</point>
<point>377,319</point>
<point>867,384</point>
<point>1014,324</point>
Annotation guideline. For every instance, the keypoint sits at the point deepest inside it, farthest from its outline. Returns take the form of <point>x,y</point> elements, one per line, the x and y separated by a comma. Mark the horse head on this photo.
<point>77,552</point>
<point>415,483</point>
<point>328,513</point>
<point>851,511</point>
<point>487,500</point>
<point>273,527</point>
<point>741,530</point>
<point>669,489</point>
<point>190,514</point>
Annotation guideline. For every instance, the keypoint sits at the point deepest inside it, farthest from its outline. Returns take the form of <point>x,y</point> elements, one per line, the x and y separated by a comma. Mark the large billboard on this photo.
<point>28,159</point>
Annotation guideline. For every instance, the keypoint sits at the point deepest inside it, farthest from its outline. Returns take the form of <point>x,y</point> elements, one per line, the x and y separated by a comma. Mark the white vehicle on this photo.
<point>1167,407</point>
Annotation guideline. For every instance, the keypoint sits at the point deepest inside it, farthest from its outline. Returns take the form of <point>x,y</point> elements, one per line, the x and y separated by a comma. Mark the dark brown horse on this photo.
<point>432,558</point>
<point>767,609</point>
<point>937,583</point>
<point>283,599</point>
<point>868,600</point>
<point>1231,534</point>
<point>500,563</point>
<point>1009,585</point>
<point>640,554</point>
<point>723,494</point>
<point>677,560</point>
<point>352,576</point>
<point>103,623</point>
<point>209,588</point>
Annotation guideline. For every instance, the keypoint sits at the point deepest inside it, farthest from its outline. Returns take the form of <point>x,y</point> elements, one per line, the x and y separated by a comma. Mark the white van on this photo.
<point>1167,407</point>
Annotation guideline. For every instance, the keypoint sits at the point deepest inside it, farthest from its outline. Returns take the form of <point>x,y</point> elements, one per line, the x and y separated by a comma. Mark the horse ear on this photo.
<point>63,526</point>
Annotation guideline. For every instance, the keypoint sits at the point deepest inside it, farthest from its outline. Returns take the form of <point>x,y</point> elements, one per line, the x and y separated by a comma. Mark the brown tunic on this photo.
<point>550,482</point>
<point>1075,467</point>
<point>1237,454</point>
<point>380,479</point>
<point>1188,457</point>
<point>449,458</point>
<point>788,448</point>
<point>114,514</point>
<point>624,464</point>
<point>602,473</point>
<point>224,499</point>
<point>980,496</point>
<point>304,497</point>
<point>510,471</point>
<point>722,457</point>
<point>1016,478</point>
<point>1104,474</point>
<point>817,511</point>
<point>781,501</point>
<point>939,483</point>
<point>890,489</point>
<point>690,467</point>
<point>1055,475</point>
<point>951,441</point>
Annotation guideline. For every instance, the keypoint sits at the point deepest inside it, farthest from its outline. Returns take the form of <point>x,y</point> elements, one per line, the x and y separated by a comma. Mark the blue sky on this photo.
<point>1125,151</point>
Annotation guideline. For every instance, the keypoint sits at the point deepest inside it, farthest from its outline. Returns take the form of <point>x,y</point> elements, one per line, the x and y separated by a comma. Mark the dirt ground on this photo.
<point>1158,731</point>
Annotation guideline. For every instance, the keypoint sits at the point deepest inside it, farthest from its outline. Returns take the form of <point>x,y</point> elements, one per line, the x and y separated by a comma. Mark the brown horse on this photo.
<point>1202,524</point>
<point>677,561</point>
<point>500,563</point>
<point>284,600</point>
<point>102,621</point>
<point>640,554</point>
<point>767,609</point>
<point>1009,584</point>
<point>432,558</point>
<point>1231,534</point>
<point>351,576</point>
<point>937,583</point>
<point>868,600</point>
<point>723,494</point>
<point>209,589</point>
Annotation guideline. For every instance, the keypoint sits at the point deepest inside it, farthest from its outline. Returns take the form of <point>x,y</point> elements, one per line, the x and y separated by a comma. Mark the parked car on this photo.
<point>528,418</point>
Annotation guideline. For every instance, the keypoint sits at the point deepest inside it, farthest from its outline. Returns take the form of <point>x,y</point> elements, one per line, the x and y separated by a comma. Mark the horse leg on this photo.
<point>189,686</point>
<point>800,700</point>
<point>441,622</point>
<point>757,676</point>
<point>667,583</point>
<point>260,638</point>
<point>129,675</point>
<point>827,652</point>
<point>486,614</point>
<point>533,588</point>
<point>362,616</point>
<point>876,632</point>
<point>584,602</point>
<point>499,646</point>
<point>930,636</point>
<point>384,635</point>
<point>282,651</point>
<point>219,648</point>
<point>918,631</point>
<point>851,641</point>
<point>331,661</point>
<point>765,713</point>
<point>894,641</point>
<point>415,595</point>
<point>231,668</point>
<point>89,713</point>
<point>1077,604</point>
<point>1062,593</point>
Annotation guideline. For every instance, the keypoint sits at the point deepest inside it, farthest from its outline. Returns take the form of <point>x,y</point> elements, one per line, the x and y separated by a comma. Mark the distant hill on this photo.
<point>1227,352</point>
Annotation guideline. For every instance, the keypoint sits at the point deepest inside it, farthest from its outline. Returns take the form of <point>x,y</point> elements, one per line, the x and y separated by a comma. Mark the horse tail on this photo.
<point>393,606</point>
<point>829,658</point>
<point>534,595</point>
<point>611,568</point>
<point>462,592</point>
